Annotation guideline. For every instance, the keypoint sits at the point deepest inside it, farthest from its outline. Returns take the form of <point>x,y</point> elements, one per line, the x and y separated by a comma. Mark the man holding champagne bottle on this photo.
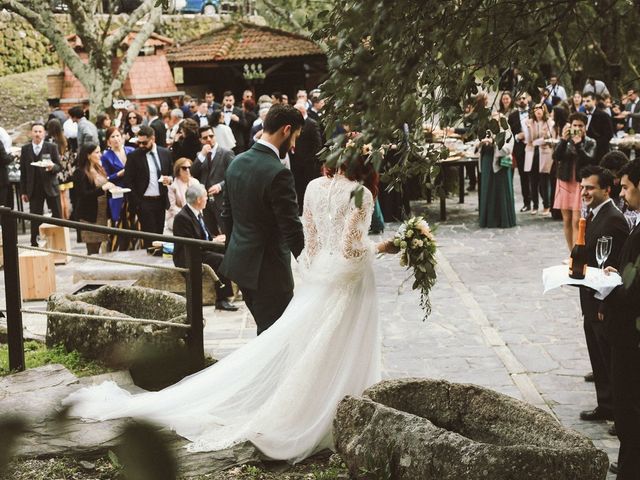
<point>621,314</point>
<point>604,222</point>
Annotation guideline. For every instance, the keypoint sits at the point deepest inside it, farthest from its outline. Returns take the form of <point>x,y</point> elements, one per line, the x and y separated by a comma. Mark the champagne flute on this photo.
<point>603,250</point>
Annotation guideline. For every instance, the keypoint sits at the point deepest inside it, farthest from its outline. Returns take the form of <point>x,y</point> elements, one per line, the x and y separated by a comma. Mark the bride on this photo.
<point>280,391</point>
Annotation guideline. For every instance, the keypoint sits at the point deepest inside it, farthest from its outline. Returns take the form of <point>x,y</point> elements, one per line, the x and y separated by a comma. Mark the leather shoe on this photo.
<point>589,377</point>
<point>613,468</point>
<point>226,306</point>
<point>596,414</point>
<point>612,431</point>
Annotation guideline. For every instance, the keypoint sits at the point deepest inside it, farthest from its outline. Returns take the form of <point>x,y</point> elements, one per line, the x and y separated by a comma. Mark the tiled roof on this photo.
<point>154,40</point>
<point>243,41</point>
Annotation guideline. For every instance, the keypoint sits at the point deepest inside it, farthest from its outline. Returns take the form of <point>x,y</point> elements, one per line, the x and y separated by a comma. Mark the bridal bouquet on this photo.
<point>417,251</point>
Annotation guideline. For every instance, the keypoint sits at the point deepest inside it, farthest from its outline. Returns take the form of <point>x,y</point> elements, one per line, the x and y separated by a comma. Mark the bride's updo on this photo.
<point>357,168</point>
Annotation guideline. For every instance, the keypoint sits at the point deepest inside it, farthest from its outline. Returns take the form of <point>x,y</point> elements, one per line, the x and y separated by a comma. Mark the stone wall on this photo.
<point>22,49</point>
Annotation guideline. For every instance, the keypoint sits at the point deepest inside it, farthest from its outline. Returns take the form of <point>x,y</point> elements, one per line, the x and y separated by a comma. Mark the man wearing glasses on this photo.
<point>147,173</point>
<point>518,124</point>
<point>209,168</point>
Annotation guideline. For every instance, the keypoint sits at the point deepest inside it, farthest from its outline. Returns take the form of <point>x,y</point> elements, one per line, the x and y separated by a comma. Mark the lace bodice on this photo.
<point>332,223</point>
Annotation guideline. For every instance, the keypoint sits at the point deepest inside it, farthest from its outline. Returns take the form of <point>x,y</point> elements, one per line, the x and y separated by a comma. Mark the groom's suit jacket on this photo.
<point>260,213</point>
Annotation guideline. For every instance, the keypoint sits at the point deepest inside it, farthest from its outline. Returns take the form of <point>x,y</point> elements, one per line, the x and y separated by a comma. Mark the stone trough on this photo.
<point>432,429</point>
<point>123,344</point>
<point>167,280</point>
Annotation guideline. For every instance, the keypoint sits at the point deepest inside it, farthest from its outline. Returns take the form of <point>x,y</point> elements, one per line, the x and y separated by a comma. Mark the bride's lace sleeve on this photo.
<point>310,234</point>
<point>355,240</point>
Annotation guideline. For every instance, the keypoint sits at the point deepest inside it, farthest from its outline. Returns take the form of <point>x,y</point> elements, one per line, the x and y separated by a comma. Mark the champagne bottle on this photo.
<point>579,259</point>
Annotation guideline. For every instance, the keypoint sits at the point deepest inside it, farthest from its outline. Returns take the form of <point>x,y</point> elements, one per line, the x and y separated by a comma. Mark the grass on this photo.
<point>23,97</point>
<point>37,354</point>
<point>106,469</point>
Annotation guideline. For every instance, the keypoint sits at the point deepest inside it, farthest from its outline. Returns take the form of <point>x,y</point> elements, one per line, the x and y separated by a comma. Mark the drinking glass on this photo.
<point>603,250</point>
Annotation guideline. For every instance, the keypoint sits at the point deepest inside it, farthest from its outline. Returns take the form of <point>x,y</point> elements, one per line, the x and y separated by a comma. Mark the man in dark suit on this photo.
<point>260,213</point>
<point>147,173</point>
<point>305,165</point>
<point>604,219</point>
<point>621,313</point>
<point>315,112</point>
<point>234,119</point>
<point>5,187</point>
<point>632,112</point>
<point>212,105</point>
<point>189,223</point>
<point>209,168</point>
<point>518,124</point>
<point>202,117</point>
<point>155,122</point>
<point>38,184</point>
<point>599,126</point>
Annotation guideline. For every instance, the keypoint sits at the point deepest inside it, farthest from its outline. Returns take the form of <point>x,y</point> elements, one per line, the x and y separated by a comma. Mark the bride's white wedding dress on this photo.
<point>280,391</point>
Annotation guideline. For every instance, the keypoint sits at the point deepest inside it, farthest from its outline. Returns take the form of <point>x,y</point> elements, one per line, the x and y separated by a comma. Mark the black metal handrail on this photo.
<point>9,221</point>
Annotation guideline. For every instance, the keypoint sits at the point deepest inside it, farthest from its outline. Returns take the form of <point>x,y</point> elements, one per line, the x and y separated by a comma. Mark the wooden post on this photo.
<point>12,291</point>
<point>195,339</point>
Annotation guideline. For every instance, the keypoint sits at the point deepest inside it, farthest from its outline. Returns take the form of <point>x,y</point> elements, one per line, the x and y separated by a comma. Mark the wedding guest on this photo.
<point>614,161</point>
<point>148,173</point>
<point>132,124</point>
<point>114,160</point>
<point>87,131</point>
<point>518,125</point>
<point>154,120</point>
<point>189,223</point>
<point>173,125</point>
<point>603,219</point>
<point>164,108</point>
<point>538,156</point>
<point>576,102</point>
<point>90,182</point>
<point>250,114</point>
<point>65,181</point>
<point>621,311</point>
<point>555,90</point>
<point>497,204</point>
<point>599,126</point>
<point>597,87</point>
<point>506,104</point>
<point>38,184</point>
<point>224,135</point>
<point>186,142</point>
<point>103,121</point>
<point>574,152</point>
<point>6,197</point>
<point>182,180</point>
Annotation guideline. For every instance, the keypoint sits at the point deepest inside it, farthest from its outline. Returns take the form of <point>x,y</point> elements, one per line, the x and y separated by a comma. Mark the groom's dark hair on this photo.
<point>280,115</point>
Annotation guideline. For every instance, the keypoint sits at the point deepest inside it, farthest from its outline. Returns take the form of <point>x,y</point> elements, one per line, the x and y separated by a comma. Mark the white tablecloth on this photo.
<point>554,277</point>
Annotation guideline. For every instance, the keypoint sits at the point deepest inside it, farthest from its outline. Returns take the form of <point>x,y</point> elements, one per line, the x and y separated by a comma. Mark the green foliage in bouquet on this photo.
<point>418,252</point>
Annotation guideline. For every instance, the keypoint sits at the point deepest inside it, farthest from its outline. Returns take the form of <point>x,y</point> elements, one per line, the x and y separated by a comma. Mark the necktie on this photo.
<point>36,149</point>
<point>204,227</point>
<point>155,160</point>
<point>590,217</point>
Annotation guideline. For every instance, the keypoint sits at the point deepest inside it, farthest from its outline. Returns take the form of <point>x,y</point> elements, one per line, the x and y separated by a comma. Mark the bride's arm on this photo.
<point>310,232</point>
<point>355,241</point>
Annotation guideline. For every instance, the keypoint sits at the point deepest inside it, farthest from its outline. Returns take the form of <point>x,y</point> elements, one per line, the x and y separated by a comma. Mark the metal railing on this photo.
<point>193,273</point>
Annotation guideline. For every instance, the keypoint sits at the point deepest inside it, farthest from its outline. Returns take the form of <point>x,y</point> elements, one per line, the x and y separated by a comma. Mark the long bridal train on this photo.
<point>280,391</point>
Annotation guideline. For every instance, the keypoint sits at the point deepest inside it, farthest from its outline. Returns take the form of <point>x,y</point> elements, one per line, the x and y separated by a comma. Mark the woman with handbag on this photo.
<point>496,199</point>
<point>538,157</point>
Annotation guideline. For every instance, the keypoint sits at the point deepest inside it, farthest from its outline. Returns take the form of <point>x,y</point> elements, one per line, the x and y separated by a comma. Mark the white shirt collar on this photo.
<point>37,145</point>
<point>599,207</point>
<point>270,145</point>
<point>155,151</point>
<point>195,212</point>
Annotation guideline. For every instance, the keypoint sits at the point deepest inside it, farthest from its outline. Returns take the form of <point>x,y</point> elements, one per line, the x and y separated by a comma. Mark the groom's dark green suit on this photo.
<point>260,213</point>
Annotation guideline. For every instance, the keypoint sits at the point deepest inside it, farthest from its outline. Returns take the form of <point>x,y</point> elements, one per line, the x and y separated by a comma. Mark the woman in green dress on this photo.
<point>497,206</point>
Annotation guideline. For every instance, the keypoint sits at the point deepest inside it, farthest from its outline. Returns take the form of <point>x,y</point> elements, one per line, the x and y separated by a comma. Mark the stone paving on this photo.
<point>491,325</point>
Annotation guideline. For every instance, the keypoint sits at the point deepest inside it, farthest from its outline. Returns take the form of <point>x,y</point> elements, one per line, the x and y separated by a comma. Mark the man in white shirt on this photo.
<point>202,115</point>
<point>555,91</point>
<point>597,87</point>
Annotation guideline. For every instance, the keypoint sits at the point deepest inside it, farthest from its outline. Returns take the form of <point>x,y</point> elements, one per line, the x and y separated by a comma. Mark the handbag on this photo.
<point>506,162</point>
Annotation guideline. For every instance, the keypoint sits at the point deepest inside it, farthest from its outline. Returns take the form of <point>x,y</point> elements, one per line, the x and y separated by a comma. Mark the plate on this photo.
<point>119,192</point>
<point>42,164</point>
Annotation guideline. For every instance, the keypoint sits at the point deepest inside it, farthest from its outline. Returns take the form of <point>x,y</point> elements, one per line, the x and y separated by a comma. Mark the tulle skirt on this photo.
<point>280,391</point>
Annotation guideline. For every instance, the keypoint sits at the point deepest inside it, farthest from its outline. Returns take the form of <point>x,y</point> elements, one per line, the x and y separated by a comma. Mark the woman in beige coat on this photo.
<point>538,157</point>
<point>182,180</point>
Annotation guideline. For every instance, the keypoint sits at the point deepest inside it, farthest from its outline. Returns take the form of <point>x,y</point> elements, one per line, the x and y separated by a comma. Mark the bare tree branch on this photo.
<point>134,49</point>
<point>148,6</point>
<point>282,13</point>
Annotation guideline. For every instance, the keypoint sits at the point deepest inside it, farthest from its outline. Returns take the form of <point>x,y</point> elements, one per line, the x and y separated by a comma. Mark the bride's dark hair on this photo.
<point>357,169</point>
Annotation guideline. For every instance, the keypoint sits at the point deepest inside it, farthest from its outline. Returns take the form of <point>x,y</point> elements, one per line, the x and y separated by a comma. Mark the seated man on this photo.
<point>189,223</point>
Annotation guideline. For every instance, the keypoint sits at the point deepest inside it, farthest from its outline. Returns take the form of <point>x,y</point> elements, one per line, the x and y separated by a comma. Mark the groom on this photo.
<point>260,215</point>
